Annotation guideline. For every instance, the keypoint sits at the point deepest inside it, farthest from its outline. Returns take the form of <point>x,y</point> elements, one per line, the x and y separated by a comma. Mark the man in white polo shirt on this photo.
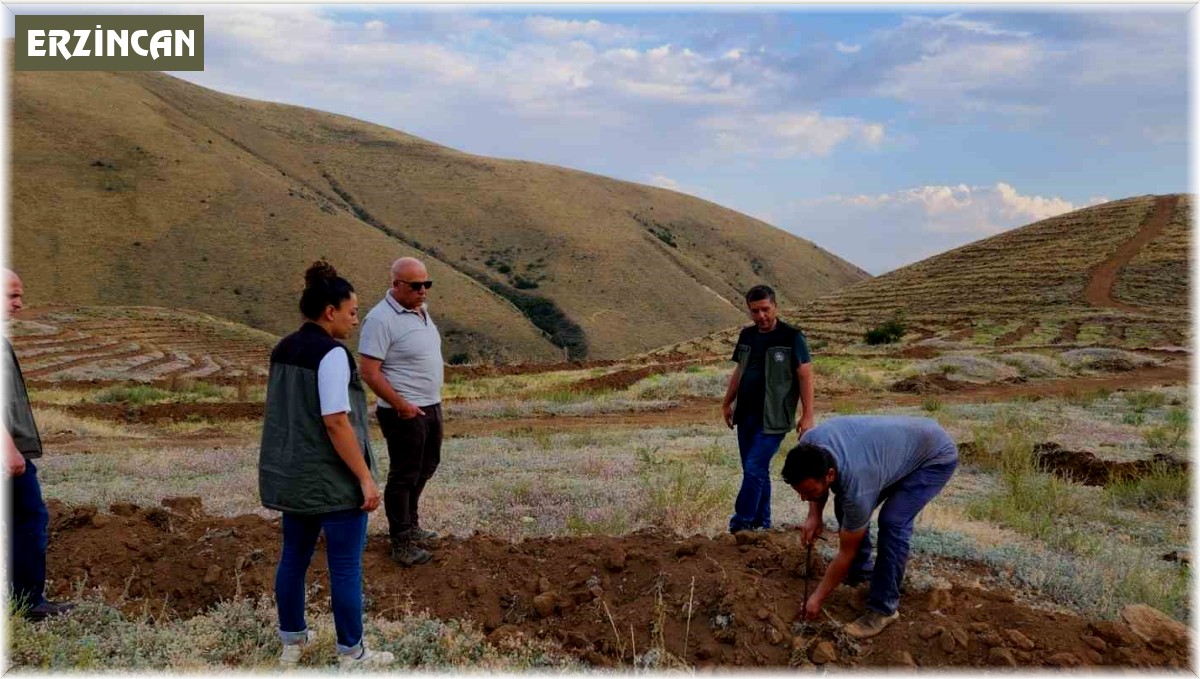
<point>401,354</point>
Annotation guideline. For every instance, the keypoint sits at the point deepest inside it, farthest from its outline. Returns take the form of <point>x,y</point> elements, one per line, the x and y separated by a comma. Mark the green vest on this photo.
<point>18,414</point>
<point>299,471</point>
<point>783,389</point>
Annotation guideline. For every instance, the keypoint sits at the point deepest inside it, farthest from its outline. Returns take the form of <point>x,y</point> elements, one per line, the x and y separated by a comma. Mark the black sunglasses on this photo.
<point>417,285</point>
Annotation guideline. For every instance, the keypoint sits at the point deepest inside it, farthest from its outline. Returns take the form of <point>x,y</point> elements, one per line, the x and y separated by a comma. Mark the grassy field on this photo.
<point>527,457</point>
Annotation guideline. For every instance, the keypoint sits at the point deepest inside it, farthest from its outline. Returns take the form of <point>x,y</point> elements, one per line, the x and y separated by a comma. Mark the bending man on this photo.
<point>900,463</point>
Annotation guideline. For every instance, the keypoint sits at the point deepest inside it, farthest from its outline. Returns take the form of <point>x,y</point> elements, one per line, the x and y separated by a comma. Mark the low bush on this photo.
<point>888,332</point>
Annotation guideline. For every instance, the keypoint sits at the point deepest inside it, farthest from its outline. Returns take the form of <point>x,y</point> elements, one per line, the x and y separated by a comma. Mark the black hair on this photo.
<point>807,461</point>
<point>323,287</point>
<point>760,292</point>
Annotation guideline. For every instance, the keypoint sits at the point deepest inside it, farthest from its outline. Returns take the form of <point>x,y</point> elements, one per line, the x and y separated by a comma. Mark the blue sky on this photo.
<point>885,135</point>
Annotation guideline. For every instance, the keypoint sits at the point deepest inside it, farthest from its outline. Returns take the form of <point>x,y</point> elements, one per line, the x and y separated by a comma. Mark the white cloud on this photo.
<point>560,29</point>
<point>963,72</point>
<point>910,224</point>
<point>790,134</point>
<point>1015,206</point>
<point>375,25</point>
<point>960,208</point>
<point>848,49</point>
<point>664,182</point>
<point>957,22</point>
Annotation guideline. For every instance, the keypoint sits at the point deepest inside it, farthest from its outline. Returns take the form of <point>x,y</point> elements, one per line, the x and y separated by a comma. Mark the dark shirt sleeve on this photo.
<point>800,351</point>
<point>739,342</point>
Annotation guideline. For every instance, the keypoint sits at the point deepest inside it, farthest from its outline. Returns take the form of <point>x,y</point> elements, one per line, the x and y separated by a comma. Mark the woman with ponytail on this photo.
<point>316,466</point>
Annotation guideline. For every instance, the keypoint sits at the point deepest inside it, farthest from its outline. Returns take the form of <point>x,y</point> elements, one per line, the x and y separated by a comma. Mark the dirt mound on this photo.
<point>935,383</point>
<point>733,601</point>
<point>1017,335</point>
<point>1084,467</point>
<point>920,351</point>
<point>500,370</point>
<point>165,412</point>
<point>623,379</point>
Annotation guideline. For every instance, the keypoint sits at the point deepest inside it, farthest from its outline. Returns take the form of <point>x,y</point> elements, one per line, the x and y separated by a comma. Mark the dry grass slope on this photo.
<point>1022,288</point>
<point>137,344</point>
<point>189,198</point>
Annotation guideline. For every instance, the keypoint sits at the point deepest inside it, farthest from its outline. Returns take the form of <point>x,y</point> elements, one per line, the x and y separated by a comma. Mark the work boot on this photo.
<point>869,624</point>
<point>406,552</point>
<point>422,536</point>
<point>47,609</point>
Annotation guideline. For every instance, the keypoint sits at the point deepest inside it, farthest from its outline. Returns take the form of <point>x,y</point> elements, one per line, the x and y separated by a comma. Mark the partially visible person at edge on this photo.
<point>401,352</point>
<point>316,466</point>
<point>29,519</point>
<point>867,461</point>
<point>773,373</point>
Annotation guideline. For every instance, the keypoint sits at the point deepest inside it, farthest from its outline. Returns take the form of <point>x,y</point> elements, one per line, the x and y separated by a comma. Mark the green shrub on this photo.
<point>1163,486</point>
<point>887,332</point>
<point>1141,401</point>
<point>1086,397</point>
<point>678,496</point>
<point>1169,434</point>
<point>608,521</point>
<point>137,394</point>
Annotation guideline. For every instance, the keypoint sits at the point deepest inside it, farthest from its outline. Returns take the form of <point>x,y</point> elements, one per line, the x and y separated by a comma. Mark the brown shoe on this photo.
<point>870,624</point>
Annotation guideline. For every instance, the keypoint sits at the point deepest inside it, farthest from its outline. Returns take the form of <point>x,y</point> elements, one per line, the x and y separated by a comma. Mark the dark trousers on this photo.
<point>901,502</point>
<point>414,451</point>
<point>28,538</point>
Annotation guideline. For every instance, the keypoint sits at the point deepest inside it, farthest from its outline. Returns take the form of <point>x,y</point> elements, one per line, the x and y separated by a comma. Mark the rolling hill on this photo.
<point>1112,274</point>
<point>140,189</point>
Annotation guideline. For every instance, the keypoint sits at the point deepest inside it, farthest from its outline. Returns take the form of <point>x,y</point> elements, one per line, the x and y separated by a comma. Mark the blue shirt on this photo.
<point>872,452</point>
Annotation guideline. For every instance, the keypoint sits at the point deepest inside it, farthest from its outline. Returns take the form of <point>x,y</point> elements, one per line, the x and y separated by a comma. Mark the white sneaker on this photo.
<point>365,658</point>
<point>292,652</point>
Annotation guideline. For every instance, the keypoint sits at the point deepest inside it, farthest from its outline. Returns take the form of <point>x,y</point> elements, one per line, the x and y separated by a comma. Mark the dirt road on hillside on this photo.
<point>1099,288</point>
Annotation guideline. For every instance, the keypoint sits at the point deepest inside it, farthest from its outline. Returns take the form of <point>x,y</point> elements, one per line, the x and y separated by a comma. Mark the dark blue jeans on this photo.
<point>28,538</point>
<point>345,539</point>
<point>901,502</point>
<point>752,509</point>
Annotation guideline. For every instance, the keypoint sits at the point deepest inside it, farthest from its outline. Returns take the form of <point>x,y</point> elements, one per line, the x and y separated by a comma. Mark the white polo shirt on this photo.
<point>410,348</point>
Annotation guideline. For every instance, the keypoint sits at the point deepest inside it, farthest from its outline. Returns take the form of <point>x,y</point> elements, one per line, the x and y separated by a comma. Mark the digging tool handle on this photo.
<point>807,571</point>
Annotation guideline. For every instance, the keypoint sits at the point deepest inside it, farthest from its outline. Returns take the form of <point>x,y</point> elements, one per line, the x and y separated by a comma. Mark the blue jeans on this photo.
<point>345,539</point>
<point>28,538</point>
<point>752,509</point>
<point>901,501</point>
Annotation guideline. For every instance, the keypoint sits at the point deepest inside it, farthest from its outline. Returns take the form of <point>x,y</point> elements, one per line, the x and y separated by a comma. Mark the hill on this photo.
<point>142,189</point>
<point>1112,274</point>
<point>101,345</point>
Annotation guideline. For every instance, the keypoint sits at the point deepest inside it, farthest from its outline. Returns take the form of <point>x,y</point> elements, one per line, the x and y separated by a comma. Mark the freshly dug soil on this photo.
<point>742,594</point>
<point>1084,467</point>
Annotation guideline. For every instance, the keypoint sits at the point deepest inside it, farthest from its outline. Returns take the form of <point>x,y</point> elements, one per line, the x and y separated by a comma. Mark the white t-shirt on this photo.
<point>333,382</point>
